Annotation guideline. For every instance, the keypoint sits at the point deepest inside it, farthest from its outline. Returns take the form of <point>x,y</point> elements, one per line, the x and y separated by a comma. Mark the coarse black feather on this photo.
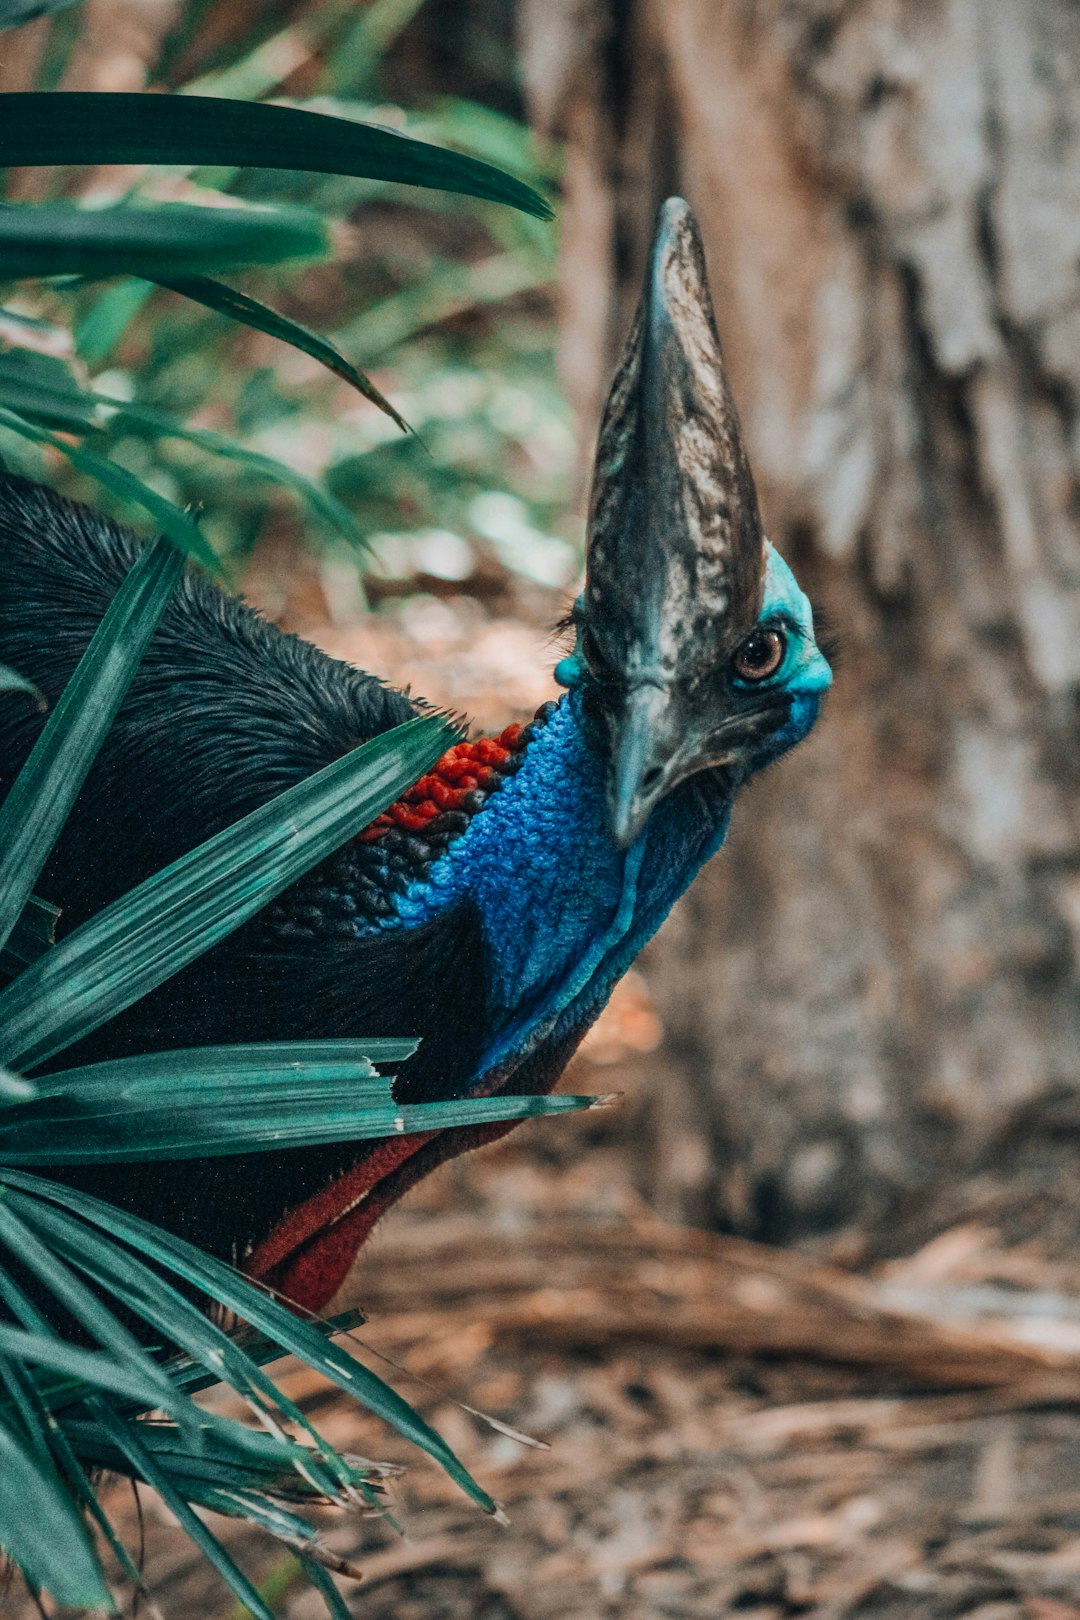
<point>225,712</point>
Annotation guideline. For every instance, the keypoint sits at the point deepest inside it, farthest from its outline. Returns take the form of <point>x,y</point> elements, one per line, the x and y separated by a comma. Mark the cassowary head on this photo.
<point>695,645</point>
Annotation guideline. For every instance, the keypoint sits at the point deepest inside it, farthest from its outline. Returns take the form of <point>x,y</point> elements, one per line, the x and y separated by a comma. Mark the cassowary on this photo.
<point>493,908</point>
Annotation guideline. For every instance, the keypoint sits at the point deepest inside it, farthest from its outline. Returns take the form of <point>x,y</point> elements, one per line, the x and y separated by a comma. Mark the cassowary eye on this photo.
<point>760,655</point>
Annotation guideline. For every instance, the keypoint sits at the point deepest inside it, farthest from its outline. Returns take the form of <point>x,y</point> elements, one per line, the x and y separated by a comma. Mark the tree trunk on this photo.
<point>874,990</point>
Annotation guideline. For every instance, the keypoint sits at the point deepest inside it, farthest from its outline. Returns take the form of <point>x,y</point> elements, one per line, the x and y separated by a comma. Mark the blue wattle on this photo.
<point>805,708</point>
<point>564,910</point>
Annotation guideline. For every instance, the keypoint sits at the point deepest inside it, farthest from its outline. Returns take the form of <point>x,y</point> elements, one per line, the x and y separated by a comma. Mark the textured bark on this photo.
<point>877,982</point>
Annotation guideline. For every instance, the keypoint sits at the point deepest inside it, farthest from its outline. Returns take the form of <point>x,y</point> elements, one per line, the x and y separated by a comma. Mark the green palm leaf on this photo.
<point>204,1104</point>
<point>128,1441</point>
<point>79,127</point>
<point>40,1528</point>
<point>62,239</point>
<point>93,1235</point>
<point>37,806</point>
<point>249,312</point>
<point>118,481</point>
<point>146,936</point>
<point>15,12</point>
<point>42,386</point>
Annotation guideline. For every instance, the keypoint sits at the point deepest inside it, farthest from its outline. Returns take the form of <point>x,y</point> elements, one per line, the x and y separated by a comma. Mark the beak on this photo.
<point>642,767</point>
<point>656,744</point>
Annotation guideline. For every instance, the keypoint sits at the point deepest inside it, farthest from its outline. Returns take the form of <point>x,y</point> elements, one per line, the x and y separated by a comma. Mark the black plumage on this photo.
<point>225,712</point>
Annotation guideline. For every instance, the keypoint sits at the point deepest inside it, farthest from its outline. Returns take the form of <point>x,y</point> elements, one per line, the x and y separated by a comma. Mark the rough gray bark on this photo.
<point>878,980</point>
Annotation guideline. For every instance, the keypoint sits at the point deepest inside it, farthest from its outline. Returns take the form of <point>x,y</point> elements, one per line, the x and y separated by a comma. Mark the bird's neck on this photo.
<point>564,910</point>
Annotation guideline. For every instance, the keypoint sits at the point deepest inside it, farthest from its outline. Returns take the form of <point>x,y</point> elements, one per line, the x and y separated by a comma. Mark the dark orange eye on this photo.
<point>760,655</point>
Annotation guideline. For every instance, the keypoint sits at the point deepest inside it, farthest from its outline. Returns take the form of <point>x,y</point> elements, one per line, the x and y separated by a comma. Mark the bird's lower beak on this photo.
<point>656,744</point>
<point>642,761</point>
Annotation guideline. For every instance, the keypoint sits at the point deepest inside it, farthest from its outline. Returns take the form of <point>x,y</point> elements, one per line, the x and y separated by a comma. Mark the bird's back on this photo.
<point>225,712</point>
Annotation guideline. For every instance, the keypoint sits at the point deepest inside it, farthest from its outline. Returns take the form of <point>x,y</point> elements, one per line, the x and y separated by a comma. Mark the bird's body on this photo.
<point>489,913</point>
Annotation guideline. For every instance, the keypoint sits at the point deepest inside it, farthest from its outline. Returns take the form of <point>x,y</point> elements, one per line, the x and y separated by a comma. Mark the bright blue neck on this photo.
<point>564,910</point>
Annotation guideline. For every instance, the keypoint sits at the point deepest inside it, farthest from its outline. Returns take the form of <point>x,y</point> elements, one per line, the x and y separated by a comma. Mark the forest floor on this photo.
<point>728,1430</point>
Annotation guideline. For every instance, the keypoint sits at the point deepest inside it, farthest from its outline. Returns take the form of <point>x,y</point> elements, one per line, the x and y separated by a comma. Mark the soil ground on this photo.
<point>731,1430</point>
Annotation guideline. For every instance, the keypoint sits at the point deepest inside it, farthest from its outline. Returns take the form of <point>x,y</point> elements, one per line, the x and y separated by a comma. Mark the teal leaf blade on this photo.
<point>14,1089</point>
<point>40,1529</point>
<point>128,1441</point>
<point>26,1245</point>
<point>13,13</point>
<point>42,386</point>
<point>146,936</point>
<point>65,127</point>
<point>236,1293</point>
<point>152,424</point>
<point>118,481</point>
<point>12,681</point>
<point>92,1367</point>
<point>61,239</point>
<point>177,1105</point>
<point>44,791</point>
<point>249,312</point>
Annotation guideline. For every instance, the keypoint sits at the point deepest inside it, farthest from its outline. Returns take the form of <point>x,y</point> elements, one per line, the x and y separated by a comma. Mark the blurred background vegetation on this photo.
<point>448,306</point>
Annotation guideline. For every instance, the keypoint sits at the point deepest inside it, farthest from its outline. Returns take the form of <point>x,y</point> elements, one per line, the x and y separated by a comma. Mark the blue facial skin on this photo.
<point>565,911</point>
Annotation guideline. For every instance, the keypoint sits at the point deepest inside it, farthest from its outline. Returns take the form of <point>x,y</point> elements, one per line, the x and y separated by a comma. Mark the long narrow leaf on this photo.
<point>229,1120</point>
<point>14,1089</point>
<point>40,1529</point>
<point>231,1455</point>
<point>196,1067</point>
<point>156,424</point>
<point>73,1470</point>
<point>228,1288</point>
<point>95,1369</point>
<point>59,239</point>
<point>249,312</point>
<point>129,1442</point>
<point>146,936</point>
<point>90,1312</point>
<point>120,482</point>
<point>24,1402</point>
<point>15,12</point>
<point>48,406</point>
<point>54,1443</point>
<point>44,791</point>
<point>156,1301</point>
<point>77,127</point>
<point>12,681</point>
<point>320,1580</point>
<point>42,386</point>
<point>100,328</point>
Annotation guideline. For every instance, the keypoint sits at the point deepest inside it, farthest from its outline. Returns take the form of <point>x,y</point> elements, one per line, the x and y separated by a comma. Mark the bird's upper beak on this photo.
<point>676,552</point>
<point>645,742</point>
